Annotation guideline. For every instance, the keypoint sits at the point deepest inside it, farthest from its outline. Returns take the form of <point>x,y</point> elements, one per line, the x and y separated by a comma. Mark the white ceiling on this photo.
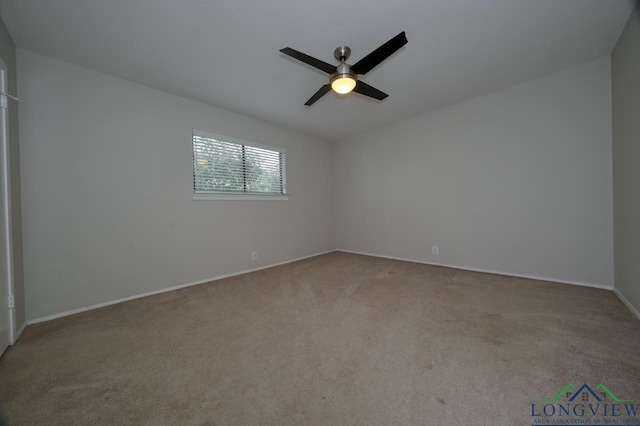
<point>225,52</point>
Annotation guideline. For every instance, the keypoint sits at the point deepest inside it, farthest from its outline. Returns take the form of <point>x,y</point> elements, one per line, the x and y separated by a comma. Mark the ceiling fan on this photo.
<point>344,77</point>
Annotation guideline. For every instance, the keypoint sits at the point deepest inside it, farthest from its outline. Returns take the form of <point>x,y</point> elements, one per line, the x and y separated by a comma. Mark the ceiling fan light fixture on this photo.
<point>343,83</point>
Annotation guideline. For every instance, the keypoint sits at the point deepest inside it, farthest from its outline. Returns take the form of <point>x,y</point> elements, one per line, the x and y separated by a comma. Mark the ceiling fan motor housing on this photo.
<point>343,71</point>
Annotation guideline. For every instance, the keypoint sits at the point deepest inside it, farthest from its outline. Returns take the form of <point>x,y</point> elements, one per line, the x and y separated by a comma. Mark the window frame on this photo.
<point>229,195</point>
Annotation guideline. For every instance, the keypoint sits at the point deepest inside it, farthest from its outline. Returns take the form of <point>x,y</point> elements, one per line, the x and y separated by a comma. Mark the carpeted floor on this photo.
<point>338,339</point>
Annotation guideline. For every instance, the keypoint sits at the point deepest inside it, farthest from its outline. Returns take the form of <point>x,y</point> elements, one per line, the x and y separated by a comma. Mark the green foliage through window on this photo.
<point>221,166</point>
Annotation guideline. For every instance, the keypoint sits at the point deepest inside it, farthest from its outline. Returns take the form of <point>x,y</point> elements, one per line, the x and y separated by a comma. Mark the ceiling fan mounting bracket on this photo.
<point>342,53</point>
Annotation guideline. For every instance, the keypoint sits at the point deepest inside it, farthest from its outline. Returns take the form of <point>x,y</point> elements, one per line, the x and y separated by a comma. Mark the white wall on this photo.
<point>518,181</point>
<point>107,187</point>
<point>625,69</point>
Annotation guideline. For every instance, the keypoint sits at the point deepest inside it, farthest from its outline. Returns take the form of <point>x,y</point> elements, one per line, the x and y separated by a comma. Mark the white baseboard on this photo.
<point>626,302</point>
<point>486,271</point>
<point>164,290</point>
<point>206,280</point>
<point>19,333</point>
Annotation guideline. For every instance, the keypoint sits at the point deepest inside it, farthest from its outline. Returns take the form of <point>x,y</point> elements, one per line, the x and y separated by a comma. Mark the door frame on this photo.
<point>6,202</point>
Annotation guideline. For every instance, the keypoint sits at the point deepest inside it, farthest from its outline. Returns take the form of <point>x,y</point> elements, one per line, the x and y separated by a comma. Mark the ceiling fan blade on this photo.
<point>374,58</point>
<point>320,93</point>
<point>372,92</point>
<point>316,63</point>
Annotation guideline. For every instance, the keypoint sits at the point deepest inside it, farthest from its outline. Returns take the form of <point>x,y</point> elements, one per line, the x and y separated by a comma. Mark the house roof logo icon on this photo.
<point>585,390</point>
<point>570,392</point>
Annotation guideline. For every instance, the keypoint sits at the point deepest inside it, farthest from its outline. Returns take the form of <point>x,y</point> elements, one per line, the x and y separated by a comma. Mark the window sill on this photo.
<point>223,196</point>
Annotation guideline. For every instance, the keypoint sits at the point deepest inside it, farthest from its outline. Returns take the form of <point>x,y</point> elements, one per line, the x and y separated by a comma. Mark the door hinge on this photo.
<point>12,303</point>
<point>4,99</point>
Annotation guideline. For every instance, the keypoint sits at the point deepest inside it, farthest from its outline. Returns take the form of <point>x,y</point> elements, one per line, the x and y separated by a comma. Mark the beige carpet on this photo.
<point>338,339</point>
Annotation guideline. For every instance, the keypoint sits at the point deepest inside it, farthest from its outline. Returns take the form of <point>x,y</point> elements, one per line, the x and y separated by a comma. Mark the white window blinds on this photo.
<point>228,165</point>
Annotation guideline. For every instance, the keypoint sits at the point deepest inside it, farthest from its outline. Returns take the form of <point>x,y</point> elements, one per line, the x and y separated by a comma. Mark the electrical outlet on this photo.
<point>435,250</point>
<point>254,255</point>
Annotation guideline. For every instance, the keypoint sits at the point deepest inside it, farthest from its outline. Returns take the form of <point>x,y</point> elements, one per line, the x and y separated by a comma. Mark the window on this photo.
<point>230,168</point>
